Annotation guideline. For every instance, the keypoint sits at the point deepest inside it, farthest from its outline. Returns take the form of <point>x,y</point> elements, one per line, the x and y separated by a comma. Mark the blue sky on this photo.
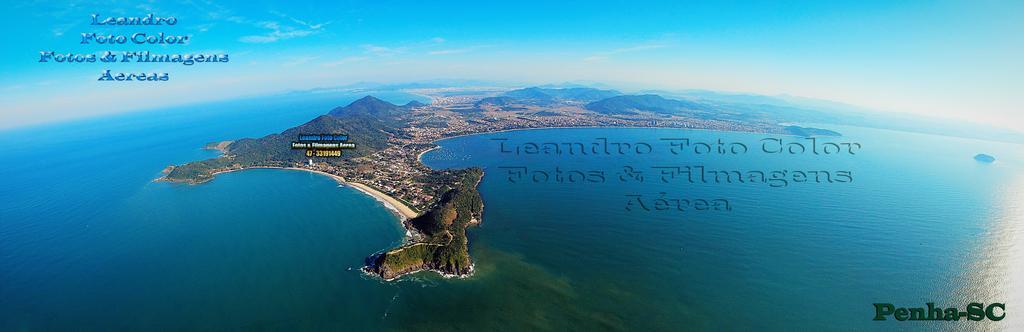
<point>949,59</point>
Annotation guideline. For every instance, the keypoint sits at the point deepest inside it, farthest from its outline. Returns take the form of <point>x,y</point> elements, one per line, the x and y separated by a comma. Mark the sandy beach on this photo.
<point>403,211</point>
<point>392,203</point>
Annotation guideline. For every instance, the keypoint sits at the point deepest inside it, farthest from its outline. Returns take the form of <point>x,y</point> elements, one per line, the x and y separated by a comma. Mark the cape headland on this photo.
<point>440,242</point>
<point>437,205</point>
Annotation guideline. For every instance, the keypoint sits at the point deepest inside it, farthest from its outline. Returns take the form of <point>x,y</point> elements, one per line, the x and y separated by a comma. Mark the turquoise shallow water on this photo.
<point>88,242</point>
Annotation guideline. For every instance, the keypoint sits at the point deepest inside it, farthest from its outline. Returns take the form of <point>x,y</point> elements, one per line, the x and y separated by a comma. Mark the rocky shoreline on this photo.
<point>442,245</point>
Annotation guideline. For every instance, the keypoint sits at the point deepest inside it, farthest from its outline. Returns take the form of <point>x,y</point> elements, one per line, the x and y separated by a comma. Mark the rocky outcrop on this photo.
<point>443,246</point>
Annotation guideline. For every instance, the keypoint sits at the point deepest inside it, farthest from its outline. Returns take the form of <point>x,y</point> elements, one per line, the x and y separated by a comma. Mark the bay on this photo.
<point>88,242</point>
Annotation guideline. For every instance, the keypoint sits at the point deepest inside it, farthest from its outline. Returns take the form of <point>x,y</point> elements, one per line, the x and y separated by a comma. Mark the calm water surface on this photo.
<point>88,242</point>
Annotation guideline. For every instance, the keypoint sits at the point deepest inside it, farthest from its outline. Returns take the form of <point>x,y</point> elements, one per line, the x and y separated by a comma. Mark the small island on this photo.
<point>437,205</point>
<point>981,157</point>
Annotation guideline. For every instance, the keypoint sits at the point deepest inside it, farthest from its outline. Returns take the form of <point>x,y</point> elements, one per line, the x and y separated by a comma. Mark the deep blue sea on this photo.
<point>89,242</point>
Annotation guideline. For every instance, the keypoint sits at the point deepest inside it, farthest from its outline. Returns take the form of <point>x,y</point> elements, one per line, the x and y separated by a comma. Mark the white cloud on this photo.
<point>606,55</point>
<point>278,31</point>
<point>455,50</point>
<point>204,27</point>
<point>258,39</point>
<point>378,50</point>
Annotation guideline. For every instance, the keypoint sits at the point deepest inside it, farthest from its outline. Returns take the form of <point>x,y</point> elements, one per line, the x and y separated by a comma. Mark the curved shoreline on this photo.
<point>599,127</point>
<point>419,157</point>
<point>403,211</point>
<point>390,202</point>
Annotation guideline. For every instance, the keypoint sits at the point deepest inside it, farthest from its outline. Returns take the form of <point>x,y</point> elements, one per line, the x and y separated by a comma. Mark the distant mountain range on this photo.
<point>811,110</point>
<point>739,106</point>
<point>547,96</point>
<point>631,104</point>
<point>612,102</point>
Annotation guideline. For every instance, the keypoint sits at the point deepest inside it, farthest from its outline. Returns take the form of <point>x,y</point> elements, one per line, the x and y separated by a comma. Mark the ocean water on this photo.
<point>921,222</point>
<point>88,242</point>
